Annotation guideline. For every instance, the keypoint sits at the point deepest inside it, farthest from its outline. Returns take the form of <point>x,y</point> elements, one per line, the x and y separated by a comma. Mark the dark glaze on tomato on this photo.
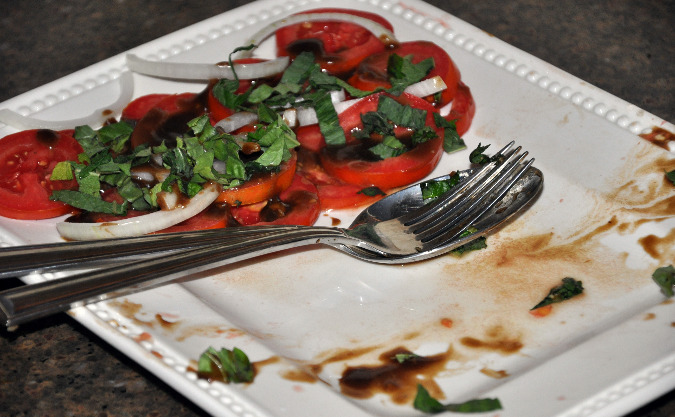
<point>168,119</point>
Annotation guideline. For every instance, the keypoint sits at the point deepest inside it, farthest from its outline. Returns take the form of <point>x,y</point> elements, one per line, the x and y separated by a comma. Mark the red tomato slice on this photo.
<point>463,109</point>
<point>372,71</point>
<point>26,162</point>
<point>301,206</point>
<point>213,217</point>
<point>217,110</point>
<point>339,46</point>
<point>333,193</point>
<point>261,187</point>
<point>347,163</point>
<point>166,119</point>
<point>139,107</point>
<point>310,136</point>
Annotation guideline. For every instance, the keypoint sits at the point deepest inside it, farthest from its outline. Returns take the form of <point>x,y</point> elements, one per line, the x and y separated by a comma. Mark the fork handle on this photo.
<point>22,260</point>
<point>23,304</point>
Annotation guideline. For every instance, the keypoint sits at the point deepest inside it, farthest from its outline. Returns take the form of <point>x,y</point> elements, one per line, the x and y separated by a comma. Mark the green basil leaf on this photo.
<point>434,189</point>
<point>664,277</point>
<point>299,70</point>
<point>88,202</point>
<point>389,147</point>
<point>569,288</point>
<point>371,191</point>
<point>230,365</point>
<point>452,142</point>
<point>671,176</point>
<point>329,123</point>
<point>426,403</point>
<point>478,157</point>
<point>63,171</point>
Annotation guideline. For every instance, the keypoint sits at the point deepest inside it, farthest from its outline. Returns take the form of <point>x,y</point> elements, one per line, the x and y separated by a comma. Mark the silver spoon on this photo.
<point>397,229</point>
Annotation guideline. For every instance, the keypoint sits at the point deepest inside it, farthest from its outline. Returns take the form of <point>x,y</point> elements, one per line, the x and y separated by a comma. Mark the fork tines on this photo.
<point>452,214</point>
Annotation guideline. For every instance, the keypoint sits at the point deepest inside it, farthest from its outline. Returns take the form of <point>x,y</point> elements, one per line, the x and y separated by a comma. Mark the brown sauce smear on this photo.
<point>396,379</point>
<point>659,137</point>
<point>496,341</point>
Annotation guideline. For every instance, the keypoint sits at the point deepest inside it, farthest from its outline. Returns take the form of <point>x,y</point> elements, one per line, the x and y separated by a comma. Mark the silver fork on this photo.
<point>397,229</point>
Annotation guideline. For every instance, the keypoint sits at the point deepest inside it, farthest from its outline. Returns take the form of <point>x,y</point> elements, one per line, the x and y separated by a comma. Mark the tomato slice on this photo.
<point>217,110</point>
<point>261,187</point>
<point>372,71</point>
<point>350,163</point>
<point>463,109</point>
<point>338,46</point>
<point>213,217</point>
<point>165,119</point>
<point>300,206</point>
<point>310,136</point>
<point>140,106</point>
<point>27,159</point>
<point>333,193</point>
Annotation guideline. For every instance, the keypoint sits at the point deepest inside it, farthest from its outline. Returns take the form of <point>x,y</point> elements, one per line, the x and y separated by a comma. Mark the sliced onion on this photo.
<point>136,226</point>
<point>236,121</point>
<point>96,118</point>
<point>426,87</point>
<point>445,110</point>
<point>197,71</point>
<point>290,116</point>
<point>375,28</point>
<point>433,85</point>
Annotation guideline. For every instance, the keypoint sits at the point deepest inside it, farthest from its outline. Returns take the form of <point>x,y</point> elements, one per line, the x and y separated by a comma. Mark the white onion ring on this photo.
<point>136,226</point>
<point>307,116</point>
<point>426,87</point>
<point>375,28</point>
<point>96,118</point>
<point>197,71</point>
<point>236,121</point>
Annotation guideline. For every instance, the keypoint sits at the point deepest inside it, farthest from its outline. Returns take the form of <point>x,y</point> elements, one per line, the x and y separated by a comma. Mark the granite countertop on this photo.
<point>56,367</point>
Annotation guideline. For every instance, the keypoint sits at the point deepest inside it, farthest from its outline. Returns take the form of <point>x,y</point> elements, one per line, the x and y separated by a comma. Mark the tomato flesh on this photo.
<point>333,193</point>
<point>27,159</point>
<point>166,119</point>
<point>302,203</point>
<point>349,165</point>
<point>338,46</point>
<point>217,110</point>
<point>261,187</point>
<point>372,71</point>
<point>213,217</point>
<point>463,109</point>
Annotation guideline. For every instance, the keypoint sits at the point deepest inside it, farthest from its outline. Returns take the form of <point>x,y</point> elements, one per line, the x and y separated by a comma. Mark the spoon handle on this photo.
<point>22,260</point>
<point>23,304</point>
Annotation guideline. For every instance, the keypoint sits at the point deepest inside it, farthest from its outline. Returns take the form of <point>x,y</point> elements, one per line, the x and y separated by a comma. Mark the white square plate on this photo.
<point>605,217</point>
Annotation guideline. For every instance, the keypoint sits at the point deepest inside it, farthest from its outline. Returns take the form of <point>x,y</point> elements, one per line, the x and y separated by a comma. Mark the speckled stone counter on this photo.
<point>56,367</point>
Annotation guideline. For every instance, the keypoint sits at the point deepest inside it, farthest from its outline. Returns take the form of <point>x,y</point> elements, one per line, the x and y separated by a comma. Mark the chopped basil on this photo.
<point>401,115</point>
<point>671,176</point>
<point>371,191</point>
<point>228,365</point>
<point>226,92</point>
<point>402,72</point>
<point>569,288</point>
<point>88,202</point>
<point>477,156</point>
<point>329,123</point>
<point>426,403</point>
<point>665,279</point>
<point>63,171</point>
<point>476,244</point>
<point>434,189</point>
<point>404,357</point>
<point>388,148</point>
<point>452,142</point>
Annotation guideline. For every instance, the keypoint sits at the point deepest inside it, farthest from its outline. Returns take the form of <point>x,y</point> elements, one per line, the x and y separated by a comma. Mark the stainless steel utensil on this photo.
<point>400,228</point>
